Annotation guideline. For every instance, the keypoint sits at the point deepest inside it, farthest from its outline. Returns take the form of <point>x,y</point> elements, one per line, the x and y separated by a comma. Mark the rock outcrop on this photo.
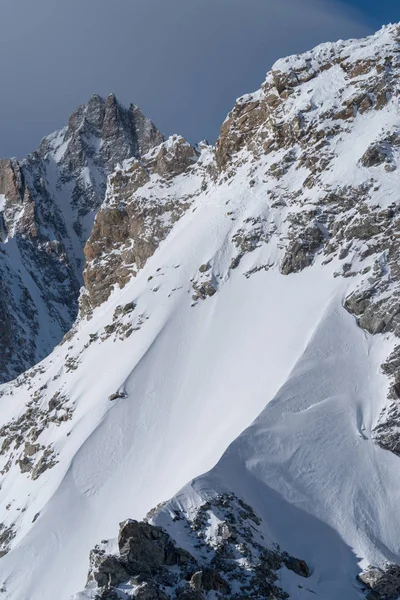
<point>143,202</point>
<point>271,120</point>
<point>381,584</point>
<point>229,559</point>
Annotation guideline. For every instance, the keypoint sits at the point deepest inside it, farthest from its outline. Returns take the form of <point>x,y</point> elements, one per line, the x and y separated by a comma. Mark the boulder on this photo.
<point>204,268</point>
<point>296,565</point>
<point>110,571</point>
<point>116,396</point>
<point>375,155</point>
<point>146,549</point>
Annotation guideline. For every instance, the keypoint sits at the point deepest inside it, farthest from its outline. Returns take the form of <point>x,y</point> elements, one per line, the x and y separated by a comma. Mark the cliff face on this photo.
<point>48,205</point>
<point>143,201</point>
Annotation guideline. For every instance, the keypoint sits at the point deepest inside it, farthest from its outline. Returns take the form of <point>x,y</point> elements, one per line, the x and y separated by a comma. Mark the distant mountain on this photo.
<point>48,206</point>
<point>232,358</point>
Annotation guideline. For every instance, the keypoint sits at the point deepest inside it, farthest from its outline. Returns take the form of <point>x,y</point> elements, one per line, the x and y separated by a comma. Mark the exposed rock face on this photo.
<point>382,584</point>
<point>146,549</point>
<point>47,207</point>
<point>375,155</point>
<point>205,284</point>
<point>109,571</point>
<point>300,254</point>
<point>7,534</point>
<point>151,567</point>
<point>262,123</point>
<point>171,158</point>
<point>134,219</point>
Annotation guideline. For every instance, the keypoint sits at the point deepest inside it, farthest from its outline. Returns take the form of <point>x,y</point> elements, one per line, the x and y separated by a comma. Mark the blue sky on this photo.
<point>377,12</point>
<point>184,62</point>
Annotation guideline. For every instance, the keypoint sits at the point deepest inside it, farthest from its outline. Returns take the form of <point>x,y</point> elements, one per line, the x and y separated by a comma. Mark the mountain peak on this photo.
<point>124,132</point>
<point>324,87</point>
<point>47,208</point>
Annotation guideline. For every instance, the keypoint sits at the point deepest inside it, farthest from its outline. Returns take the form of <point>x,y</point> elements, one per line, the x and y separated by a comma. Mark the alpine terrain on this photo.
<point>200,346</point>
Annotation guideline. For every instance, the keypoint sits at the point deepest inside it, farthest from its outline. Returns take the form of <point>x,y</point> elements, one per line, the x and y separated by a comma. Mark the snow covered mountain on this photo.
<point>48,203</point>
<point>238,330</point>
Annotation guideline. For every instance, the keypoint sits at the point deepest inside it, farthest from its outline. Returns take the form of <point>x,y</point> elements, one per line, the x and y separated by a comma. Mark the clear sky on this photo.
<point>182,61</point>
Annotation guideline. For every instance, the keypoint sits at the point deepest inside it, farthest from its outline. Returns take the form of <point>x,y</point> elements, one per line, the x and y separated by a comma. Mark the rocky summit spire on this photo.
<point>125,133</point>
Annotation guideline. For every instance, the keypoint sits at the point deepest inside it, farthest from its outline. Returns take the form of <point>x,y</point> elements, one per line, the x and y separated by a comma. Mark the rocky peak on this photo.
<point>71,166</point>
<point>47,209</point>
<point>109,132</point>
<point>91,113</point>
<point>292,107</point>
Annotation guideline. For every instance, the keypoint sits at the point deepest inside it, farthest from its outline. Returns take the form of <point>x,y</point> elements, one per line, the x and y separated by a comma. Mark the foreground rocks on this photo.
<point>230,559</point>
<point>382,584</point>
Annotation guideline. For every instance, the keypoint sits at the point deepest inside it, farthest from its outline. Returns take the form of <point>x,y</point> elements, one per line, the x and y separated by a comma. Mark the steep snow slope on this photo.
<point>186,395</point>
<point>239,311</point>
<point>309,467</point>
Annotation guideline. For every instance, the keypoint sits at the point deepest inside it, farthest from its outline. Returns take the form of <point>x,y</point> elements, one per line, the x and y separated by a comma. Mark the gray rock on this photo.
<point>149,592</point>
<point>212,580</point>
<point>25,465</point>
<point>110,571</point>
<point>296,565</point>
<point>189,595</point>
<point>204,268</point>
<point>382,584</point>
<point>375,155</point>
<point>171,158</point>
<point>31,449</point>
<point>196,581</point>
<point>107,594</point>
<point>225,532</point>
<point>116,396</point>
<point>203,290</point>
<point>146,549</point>
<point>300,252</point>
